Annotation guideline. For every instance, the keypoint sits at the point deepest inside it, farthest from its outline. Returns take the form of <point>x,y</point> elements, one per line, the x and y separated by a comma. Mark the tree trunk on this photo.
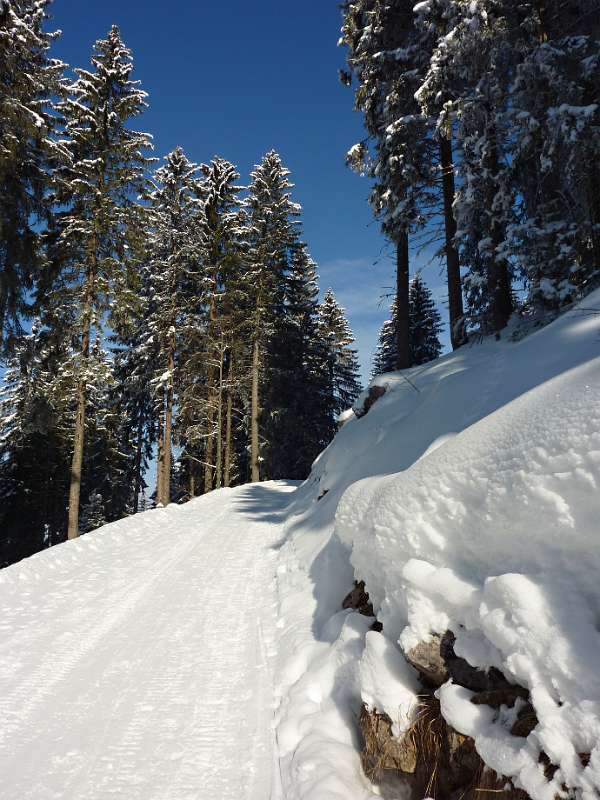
<point>498,279</point>
<point>219,459</point>
<point>209,450</point>
<point>160,457</point>
<point>254,415</point>
<point>138,466</point>
<point>192,489</point>
<point>402,292</point>
<point>455,299</point>
<point>228,431</point>
<point>165,498</point>
<point>79,434</point>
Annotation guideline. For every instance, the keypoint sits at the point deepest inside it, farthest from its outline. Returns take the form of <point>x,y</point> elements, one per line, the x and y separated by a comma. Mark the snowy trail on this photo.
<point>136,662</point>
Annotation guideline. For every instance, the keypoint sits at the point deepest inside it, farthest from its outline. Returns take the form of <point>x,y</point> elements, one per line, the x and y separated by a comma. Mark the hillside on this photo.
<point>202,651</point>
<point>467,499</point>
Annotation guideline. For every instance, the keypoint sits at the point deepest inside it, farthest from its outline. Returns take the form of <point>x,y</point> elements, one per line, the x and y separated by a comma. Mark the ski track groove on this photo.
<point>136,662</point>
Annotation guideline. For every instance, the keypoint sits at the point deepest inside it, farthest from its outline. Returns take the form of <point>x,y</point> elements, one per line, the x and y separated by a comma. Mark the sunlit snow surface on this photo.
<point>485,519</point>
<point>201,653</point>
<point>136,662</point>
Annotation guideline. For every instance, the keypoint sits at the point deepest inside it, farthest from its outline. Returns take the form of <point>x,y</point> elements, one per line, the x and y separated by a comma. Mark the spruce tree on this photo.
<point>425,328</point>
<point>555,115</point>
<point>135,352</point>
<point>98,187</point>
<point>33,414</point>
<point>425,324</point>
<point>30,83</point>
<point>470,70</point>
<point>297,394</point>
<point>272,240</point>
<point>222,235</point>
<point>174,255</point>
<point>380,36</point>
<point>342,360</point>
<point>385,358</point>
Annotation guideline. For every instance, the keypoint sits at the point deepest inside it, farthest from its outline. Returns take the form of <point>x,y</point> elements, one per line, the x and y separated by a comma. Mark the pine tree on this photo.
<point>105,467</point>
<point>385,358</point>
<point>92,513</point>
<point>98,186</point>
<point>221,253</point>
<point>342,360</point>
<point>174,255</point>
<point>470,70</point>
<point>135,354</point>
<point>33,410</point>
<point>30,82</point>
<point>425,324</point>
<point>555,102</point>
<point>272,242</point>
<point>298,393</point>
<point>425,328</point>
<point>380,36</point>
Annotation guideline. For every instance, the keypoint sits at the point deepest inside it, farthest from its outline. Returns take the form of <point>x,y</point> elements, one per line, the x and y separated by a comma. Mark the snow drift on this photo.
<point>468,500</point>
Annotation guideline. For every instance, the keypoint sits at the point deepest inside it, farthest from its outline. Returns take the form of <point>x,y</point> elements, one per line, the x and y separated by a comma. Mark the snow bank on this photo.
<point>467,499</point>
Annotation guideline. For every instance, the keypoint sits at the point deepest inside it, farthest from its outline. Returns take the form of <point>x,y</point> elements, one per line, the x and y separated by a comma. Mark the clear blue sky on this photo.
<point>237,78</point>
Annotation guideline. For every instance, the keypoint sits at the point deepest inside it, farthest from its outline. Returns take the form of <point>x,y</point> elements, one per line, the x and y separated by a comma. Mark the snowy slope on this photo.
<point>468,499</point>
<point>136,662</point>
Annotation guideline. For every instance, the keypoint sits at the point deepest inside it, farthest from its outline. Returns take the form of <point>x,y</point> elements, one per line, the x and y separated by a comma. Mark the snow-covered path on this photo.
<point>136,662</point>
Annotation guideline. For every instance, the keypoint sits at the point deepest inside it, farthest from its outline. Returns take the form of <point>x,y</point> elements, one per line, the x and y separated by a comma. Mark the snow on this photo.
<point>201,651</point>
<point>136,662</point>
<point>467,499</point>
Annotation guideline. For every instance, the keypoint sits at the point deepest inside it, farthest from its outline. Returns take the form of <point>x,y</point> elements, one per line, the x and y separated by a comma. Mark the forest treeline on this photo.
<point>482,139</point>
<point>160,311</point>
<point>149,310</point>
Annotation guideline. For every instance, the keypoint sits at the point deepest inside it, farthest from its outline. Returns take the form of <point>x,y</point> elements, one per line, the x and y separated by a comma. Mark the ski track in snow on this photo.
<point>137,662</point>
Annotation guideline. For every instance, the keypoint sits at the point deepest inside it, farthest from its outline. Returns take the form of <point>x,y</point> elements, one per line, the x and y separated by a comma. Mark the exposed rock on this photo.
<point>381,750</point>
<point>526,721</point>
<point>507,696</point>
<point>463,759</point>
<point>431,759</point>
<point>429,662</point>
<point>375,392</point>
<point>358,599</point>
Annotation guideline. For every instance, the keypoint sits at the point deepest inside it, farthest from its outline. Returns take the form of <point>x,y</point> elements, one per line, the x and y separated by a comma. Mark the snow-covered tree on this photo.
<point>205,389</point>
<point>272,239</point>
<point>471,68</point>
<point>98,187</point>
<point>425,324</point>
<point>555,104</point>
<point>34,451</point>
<point>385,358</point>
<point>383,54</point>
<point>135,353</point>
<point>297,390</point>
<point>341,357</point>
<point>30,84</point>
<point>425,328</point>
<point>175,218</point>
<point>92,514</point>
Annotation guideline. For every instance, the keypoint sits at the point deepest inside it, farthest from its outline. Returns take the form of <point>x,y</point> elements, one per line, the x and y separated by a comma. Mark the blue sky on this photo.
<point>238,78</point>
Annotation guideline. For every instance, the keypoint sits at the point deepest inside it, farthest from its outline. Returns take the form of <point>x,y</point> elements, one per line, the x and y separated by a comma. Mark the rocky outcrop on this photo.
<point>358,599</point>
<point>375,392</point>
<point>431,759</point>
<point>436,662</point>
